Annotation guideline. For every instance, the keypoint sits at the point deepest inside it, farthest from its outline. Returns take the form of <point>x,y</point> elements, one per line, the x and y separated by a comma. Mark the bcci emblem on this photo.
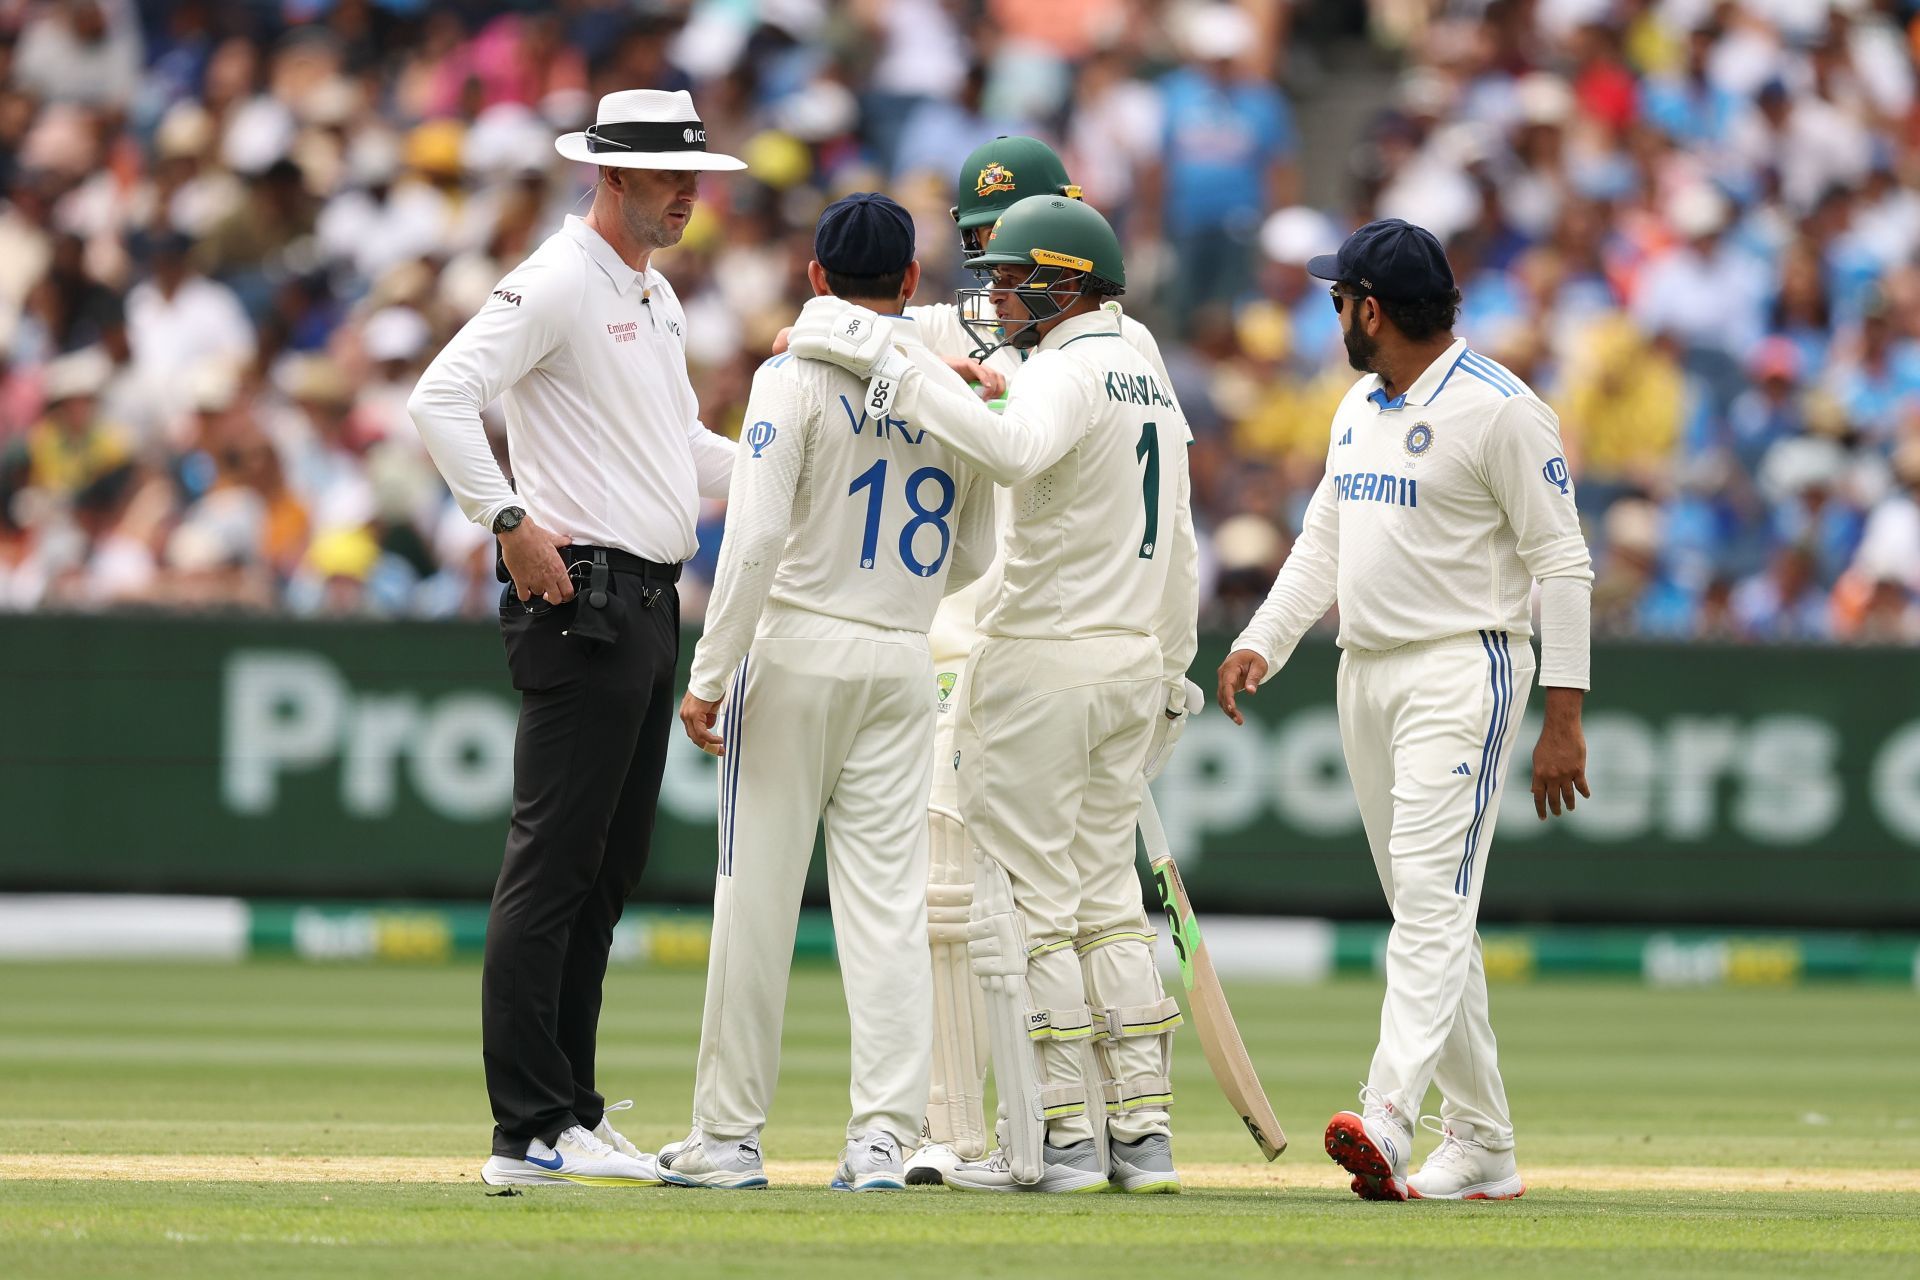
<point>945,681</point>
<point>1419,439</point>
<point>760,435</point>
<point>995,177</point>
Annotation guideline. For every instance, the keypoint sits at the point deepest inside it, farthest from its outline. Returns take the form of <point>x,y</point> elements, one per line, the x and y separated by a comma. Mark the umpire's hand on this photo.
<point>534,563</point>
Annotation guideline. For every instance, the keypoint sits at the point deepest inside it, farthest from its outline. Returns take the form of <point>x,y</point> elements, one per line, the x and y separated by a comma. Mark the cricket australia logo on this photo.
<point>760,435</point>
<point>946,681</point>
<point>1419,439</point>
<point>995,177</point>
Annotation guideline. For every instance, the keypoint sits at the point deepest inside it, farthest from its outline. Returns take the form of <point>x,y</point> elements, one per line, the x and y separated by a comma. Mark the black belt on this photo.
<point>622,562</point>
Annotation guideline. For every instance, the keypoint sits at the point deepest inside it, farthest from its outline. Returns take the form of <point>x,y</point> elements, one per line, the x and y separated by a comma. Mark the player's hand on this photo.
<point>992,385</point>
<point>534,564</point>
<point>838,332</point>
<point>1242,672</point>
<point>780,340</point>
<point>1560,757</point>
<point>698,715</point>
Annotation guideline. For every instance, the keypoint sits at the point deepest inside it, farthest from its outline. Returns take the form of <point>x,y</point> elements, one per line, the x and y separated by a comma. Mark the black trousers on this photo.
<point>592,740</point>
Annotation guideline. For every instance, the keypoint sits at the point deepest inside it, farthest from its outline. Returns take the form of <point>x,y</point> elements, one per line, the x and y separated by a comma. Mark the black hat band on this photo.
<point>648,135</point>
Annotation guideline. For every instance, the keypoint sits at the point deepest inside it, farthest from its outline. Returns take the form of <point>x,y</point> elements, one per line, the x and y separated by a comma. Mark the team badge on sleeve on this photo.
<point>760,435</point>
<point>1419,439</point>
<point>1556,473</point>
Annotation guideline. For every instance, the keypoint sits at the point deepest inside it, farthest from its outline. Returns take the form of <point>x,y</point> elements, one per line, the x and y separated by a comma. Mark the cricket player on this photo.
<point>992,177</point>
<point>1446,497</point>
<point>1083,649</point>
<point>844,528</point>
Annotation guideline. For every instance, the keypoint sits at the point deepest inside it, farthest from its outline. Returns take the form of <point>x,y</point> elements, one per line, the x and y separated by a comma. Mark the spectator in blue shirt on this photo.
<point>1228,151</point>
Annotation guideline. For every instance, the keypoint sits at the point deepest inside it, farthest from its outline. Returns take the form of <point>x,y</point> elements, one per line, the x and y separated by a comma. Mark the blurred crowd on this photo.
<point>232,234</point>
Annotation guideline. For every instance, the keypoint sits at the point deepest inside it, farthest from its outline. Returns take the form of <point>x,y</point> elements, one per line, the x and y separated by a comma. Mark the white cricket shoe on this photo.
<point>1068,1170</point>
<point>613,1137</point>
<point>1145,1167</point>
<point>930,1164</point>
<point>576,1156</point>
<point>1462,1169</point>
<point>1373,1147</point>
<point>731,1164</point>
<point>871,1162</point>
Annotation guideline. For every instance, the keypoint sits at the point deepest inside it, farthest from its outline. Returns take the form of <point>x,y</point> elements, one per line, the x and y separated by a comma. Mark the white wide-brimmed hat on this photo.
<point>645,129</point>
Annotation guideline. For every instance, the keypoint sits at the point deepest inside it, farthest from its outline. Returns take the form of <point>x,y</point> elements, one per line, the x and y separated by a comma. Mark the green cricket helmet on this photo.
<point>996,174</point>
<point>1068,251</point>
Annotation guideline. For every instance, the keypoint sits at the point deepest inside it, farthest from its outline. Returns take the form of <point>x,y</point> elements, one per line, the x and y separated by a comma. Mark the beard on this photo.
<point>1361,348</point>
<point>651,229</point>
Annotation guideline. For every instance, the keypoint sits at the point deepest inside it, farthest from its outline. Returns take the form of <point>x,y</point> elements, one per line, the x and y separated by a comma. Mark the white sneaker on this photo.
<point>871,1162</point>
<point>1462,1169</point>
<point>576,1156</point>
<point>1145,1167</point>
<point>1373,1148</point>
<point>930,1164</point>
<point>613,1137</point>
<point>1069,1170</point>
<point>732,1164</point>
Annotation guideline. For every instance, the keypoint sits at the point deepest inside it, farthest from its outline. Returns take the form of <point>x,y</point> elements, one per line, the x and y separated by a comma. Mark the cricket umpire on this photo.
<point>1446,497</point>
<point>584,344</point>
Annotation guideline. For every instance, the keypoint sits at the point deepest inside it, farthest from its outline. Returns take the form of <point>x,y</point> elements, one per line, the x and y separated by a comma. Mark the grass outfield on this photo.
<point>293,1120</point>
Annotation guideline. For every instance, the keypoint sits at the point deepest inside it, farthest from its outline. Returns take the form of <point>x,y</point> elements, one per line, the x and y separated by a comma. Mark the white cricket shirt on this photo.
<point>956,625</point>
<point>589,358</point>
<point>1437,512</point>
<point>840,514</point>
<point>1094,449</point>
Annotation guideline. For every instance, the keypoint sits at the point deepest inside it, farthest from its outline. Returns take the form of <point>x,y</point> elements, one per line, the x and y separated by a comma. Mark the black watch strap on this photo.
<point>509,519</point>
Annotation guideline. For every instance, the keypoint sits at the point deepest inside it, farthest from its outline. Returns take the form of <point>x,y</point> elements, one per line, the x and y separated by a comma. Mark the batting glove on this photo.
<point>850,336</point>
<point>1183,700</point>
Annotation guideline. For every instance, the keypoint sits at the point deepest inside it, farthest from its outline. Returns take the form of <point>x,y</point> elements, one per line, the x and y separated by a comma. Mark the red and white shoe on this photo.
<point>1374,1149</point>
<point>1462,1169</point>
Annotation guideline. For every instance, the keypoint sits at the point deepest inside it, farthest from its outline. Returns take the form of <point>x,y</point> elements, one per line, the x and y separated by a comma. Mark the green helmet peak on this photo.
<point>1068,250</point>
<point>996,174</point>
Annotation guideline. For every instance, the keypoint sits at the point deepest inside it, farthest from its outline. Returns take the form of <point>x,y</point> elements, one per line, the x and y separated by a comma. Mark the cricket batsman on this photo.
<point>992,177</point>
<point>844,527</point>
<point>1082,652</point>
<point>1446,497</point>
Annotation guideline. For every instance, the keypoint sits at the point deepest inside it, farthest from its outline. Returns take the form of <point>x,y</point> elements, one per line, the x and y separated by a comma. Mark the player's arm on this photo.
<point>975,535</point>
<point>522,322</point>
<point>1302,593</point>
<point>1525,468</point>
<point>759,516</point>
<point>1045,416</point>
<point>1177,624</point>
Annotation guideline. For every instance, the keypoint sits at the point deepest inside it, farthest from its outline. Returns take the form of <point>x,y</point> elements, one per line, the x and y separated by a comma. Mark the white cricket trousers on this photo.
<point>1429,730</point>
<point>1051,759</point>
<point>825,721</point>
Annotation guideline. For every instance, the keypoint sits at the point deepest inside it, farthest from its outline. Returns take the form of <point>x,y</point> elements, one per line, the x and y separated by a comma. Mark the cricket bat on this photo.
<point>1219,1037</point>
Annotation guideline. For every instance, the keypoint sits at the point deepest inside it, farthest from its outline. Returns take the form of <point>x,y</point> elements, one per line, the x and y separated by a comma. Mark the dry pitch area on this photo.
<point>285,1120</point>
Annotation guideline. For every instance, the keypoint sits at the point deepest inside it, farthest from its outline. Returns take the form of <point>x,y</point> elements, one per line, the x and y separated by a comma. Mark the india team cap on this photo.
<point>1390,258</point>
<point>645,129</point>
<point>864,234</point>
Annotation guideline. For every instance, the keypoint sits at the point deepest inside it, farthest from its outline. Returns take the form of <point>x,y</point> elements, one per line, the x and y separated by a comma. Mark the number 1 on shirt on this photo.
<point>1149,448</point>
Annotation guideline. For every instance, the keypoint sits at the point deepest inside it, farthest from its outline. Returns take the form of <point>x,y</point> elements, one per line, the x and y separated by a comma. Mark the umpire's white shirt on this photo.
<point>1438,511</point>
<point>589,358</point>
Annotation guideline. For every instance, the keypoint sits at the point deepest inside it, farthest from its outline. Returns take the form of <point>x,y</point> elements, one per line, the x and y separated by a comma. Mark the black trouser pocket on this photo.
<point>539,653</point>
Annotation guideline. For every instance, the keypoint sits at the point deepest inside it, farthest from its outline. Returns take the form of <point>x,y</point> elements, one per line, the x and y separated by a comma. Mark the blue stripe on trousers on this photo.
<point>1500,676</point>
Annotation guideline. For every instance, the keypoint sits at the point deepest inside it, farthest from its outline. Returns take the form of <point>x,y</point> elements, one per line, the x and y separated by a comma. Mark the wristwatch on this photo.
<point>509,519</point>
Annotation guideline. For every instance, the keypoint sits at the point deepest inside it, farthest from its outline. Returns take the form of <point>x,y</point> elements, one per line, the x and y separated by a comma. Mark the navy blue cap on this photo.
<point>1391,259</point>
<point>864,234</point>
